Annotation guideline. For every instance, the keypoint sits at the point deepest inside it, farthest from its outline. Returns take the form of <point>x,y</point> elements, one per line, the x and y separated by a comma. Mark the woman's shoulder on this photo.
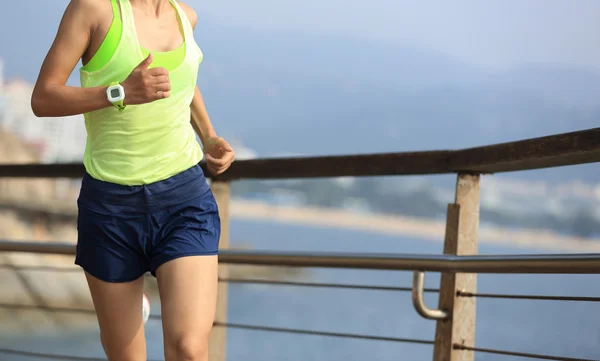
<point>91,5</point>
<point>190,13</point>
<point>94,11</point>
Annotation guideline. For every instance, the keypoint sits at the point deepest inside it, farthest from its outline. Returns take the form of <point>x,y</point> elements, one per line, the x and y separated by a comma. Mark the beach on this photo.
<point>407,226</point>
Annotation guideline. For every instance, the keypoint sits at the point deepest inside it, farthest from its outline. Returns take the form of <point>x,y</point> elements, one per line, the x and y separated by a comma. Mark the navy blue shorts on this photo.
<point>126,231</point>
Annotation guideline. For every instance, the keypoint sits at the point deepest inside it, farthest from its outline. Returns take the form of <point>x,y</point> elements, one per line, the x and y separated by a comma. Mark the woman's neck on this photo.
<point>151,7</point>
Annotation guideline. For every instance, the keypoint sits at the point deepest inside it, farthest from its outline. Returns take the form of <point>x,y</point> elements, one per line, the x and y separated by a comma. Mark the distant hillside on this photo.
<point>303,94</point>
<point>295,93</point>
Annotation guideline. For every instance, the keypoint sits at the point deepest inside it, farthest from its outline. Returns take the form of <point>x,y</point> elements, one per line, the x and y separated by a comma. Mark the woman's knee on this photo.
<point>187,348</point>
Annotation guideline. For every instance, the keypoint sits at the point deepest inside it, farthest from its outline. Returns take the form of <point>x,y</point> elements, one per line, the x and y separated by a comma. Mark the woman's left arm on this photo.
<point>218,153</point>
<point>200,120</point>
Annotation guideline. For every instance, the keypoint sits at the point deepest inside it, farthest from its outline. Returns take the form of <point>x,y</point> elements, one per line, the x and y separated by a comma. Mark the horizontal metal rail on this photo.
<point>501,264</point>
<point>323,285</point>
<point>323,333</point>
<point>266,329</point>
<point>21,307</point>
<point>49,356</point>
<point>529,297</point>
<point>252,281</point>
<point>518,354</point>
<point>265,282</point>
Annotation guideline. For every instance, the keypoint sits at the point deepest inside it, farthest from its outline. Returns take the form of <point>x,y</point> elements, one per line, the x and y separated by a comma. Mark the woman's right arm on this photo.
<point>51,97</point>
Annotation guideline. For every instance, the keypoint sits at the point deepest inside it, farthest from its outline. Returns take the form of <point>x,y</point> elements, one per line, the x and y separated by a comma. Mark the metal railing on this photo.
<point>586,263</point>
<point>419,264</point>
<point>458,266</point>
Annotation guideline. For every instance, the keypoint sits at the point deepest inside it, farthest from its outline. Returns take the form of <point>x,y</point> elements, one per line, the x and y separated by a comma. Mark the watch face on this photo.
<point>115,93</point>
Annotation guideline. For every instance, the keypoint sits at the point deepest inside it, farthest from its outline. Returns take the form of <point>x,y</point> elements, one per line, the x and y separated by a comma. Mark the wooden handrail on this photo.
<point>551,151</point>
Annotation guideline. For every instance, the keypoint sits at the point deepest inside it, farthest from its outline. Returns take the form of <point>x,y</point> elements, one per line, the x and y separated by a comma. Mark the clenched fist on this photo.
<point>219,155</point>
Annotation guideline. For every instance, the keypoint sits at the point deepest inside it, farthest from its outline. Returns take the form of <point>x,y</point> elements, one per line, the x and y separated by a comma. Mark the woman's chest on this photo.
<point>158,34</point>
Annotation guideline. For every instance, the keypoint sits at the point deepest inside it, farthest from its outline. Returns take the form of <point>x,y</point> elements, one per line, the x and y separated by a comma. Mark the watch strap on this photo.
<point>118,104</point>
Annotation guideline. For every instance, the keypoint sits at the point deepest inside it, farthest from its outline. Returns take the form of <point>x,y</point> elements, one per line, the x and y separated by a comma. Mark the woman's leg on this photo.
<point>119,310</point>
<point>188,294</point>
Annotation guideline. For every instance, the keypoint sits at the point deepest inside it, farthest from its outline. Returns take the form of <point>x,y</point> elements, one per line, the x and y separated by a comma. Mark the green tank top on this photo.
<point>168,60</point>
<point>149,142</point>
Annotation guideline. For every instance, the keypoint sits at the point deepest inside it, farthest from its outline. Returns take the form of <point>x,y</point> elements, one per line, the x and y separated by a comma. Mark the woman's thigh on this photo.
<point>188,293</point>
<point>119,311</point>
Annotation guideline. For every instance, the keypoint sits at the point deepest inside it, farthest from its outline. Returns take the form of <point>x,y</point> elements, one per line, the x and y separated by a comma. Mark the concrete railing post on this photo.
<point>461,239</point>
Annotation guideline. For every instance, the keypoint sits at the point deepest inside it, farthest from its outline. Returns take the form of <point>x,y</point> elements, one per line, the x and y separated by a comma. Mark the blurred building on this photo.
<point>58,139</point>
<point>2,102</point>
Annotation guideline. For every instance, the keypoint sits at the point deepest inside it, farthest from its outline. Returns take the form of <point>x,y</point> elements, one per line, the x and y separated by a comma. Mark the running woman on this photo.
<point>144,204</point>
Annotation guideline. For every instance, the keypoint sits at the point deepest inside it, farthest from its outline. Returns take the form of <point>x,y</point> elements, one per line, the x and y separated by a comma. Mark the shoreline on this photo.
<point>425,229</point>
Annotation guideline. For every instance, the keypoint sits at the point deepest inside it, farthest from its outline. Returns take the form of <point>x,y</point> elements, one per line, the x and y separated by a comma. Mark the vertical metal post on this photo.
<point>218,336</point>
<point>462,226</point>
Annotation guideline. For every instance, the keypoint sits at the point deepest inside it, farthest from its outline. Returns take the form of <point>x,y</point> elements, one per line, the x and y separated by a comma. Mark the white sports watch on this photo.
<point>116,95</point>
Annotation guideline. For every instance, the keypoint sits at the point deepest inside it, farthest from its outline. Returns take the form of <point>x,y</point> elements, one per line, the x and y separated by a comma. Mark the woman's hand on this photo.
<point>145,85</point>
<point>219,155</point>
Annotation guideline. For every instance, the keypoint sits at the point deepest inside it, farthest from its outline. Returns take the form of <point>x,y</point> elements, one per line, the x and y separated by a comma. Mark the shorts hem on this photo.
<point>109,280</point>
<point>181,255</point>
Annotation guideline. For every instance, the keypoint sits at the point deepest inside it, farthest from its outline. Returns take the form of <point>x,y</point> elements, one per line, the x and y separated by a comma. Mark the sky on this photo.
<point>494,33</point>
<point>490,33</point>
